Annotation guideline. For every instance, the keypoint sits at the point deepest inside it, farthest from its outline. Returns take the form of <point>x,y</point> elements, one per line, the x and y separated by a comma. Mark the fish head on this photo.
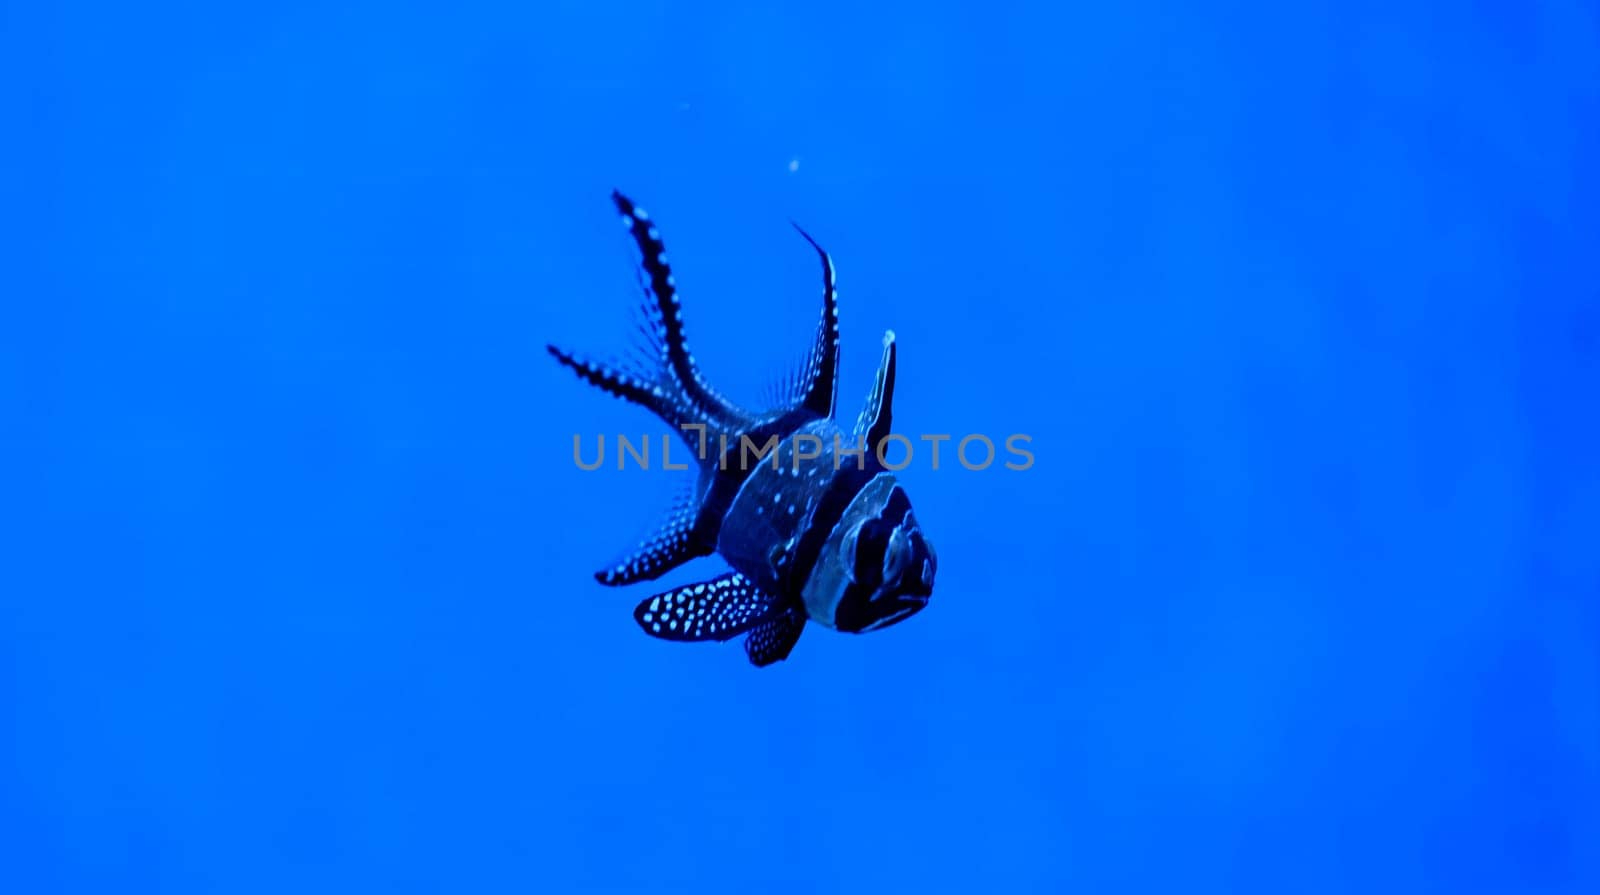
<point>891,566</point>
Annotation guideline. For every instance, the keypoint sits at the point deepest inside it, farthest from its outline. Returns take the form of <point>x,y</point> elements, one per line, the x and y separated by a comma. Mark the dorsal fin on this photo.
<point>817,388</point>
<point>665,313</point>
<point>873,424</point>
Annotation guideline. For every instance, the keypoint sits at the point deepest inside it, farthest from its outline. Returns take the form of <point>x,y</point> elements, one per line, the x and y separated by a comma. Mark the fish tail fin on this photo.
<point>628,383</point>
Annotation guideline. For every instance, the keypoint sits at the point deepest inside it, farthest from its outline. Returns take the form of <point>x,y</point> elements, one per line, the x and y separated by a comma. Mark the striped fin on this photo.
<point>664,329</point>
<point>718,609</point>
<point>817,386</point>
<point>772,640</point>
<point>615,380</point>
<point>673,544</point>
<point>634,387</point>
<point>873,424</point>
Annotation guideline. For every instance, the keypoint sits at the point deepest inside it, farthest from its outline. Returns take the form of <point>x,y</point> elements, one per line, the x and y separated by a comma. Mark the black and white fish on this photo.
<point>816,530</point>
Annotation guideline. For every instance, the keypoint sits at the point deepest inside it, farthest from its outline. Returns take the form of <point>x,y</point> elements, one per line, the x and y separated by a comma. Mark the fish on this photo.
<point>816,530</point>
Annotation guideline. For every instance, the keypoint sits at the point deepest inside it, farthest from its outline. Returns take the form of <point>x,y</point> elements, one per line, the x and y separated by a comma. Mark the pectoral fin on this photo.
<point>772,640</point>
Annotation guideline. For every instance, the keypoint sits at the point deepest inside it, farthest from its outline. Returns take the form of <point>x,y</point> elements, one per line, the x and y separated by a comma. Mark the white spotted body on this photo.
<point>816,530</point>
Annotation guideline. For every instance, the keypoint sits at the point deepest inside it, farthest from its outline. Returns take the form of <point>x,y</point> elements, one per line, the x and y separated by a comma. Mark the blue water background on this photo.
<point>1299,303</point>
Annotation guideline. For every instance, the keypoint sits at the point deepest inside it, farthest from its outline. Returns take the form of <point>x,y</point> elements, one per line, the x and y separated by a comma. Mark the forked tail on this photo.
<point>663,377</point>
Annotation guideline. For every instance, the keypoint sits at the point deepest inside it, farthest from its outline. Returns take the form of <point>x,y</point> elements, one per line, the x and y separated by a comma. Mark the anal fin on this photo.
<point>772,640</point>
<point>673,544</point>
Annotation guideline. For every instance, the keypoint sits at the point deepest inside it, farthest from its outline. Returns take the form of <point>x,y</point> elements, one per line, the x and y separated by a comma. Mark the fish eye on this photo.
<point>869,555</point>
<point>848,548</point>
<point>892,561</point>
<point>924,561</point>
<point>895,557</point>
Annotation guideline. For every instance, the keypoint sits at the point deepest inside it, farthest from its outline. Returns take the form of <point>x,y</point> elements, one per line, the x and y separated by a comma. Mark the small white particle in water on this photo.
<point>794,165</point>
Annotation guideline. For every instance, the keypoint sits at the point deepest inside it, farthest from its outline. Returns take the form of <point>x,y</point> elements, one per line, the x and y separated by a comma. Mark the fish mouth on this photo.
<point>917,603</point>
<point>907,606</point>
